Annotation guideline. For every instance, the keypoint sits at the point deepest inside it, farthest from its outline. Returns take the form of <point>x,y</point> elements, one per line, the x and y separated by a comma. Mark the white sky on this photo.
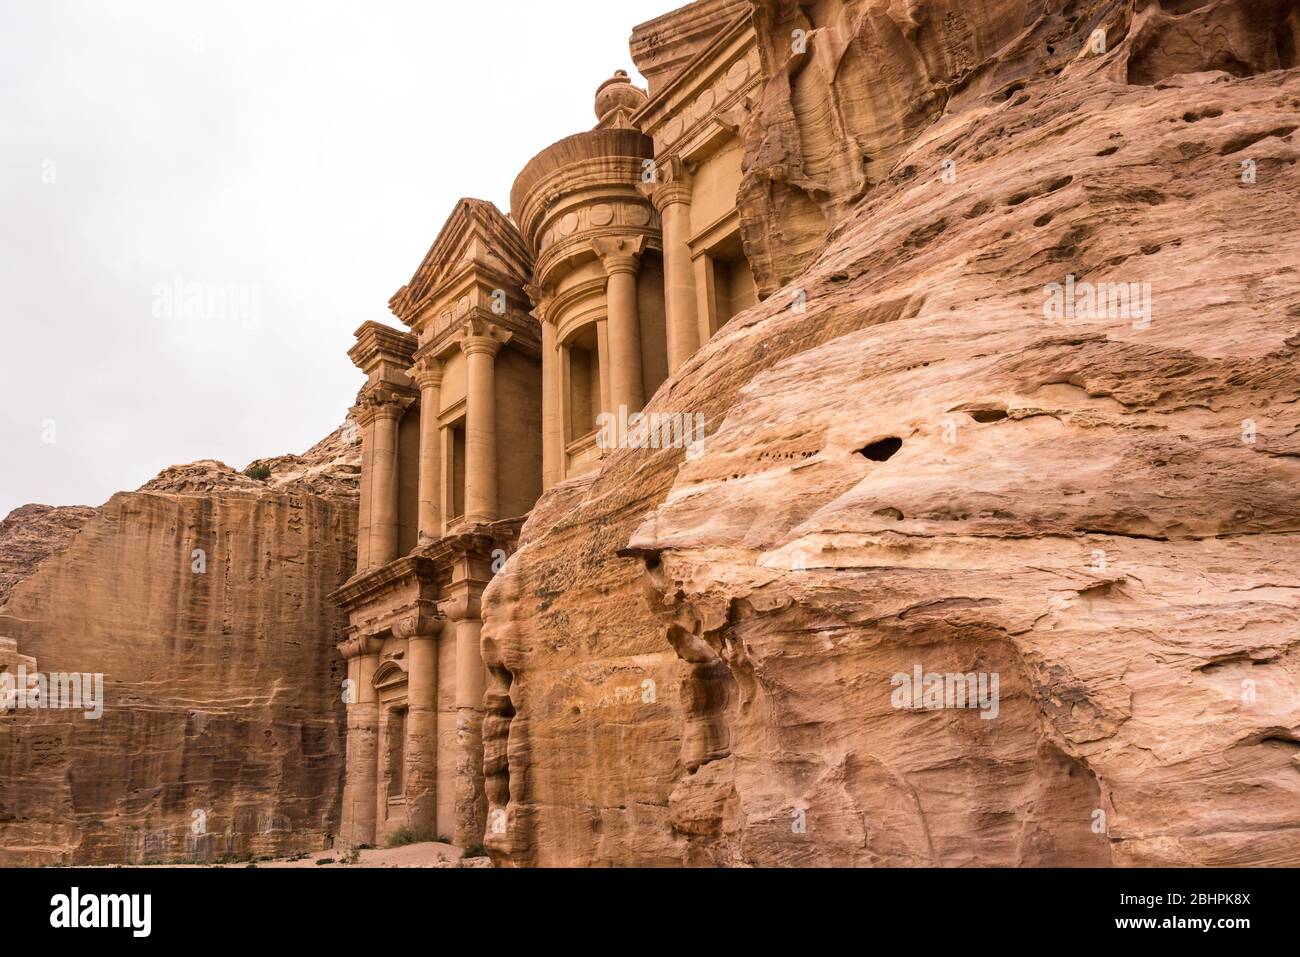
<point>308,149</point>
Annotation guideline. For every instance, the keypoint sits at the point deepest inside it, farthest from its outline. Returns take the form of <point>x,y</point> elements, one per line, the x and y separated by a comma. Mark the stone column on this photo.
<point>383,507</point>
<point>471,680</point>
<point>428,376</point>
<point>421,723</point>
<point>705,296</point>
<point>379,413</point>
<point>365,424</point>
<point>552,423</point>
<point>361,765</point>
<point>552,389</point>
<point>673,200</point>
<point>622,261</point>
<point>481,344</point>
<point>603,360</point>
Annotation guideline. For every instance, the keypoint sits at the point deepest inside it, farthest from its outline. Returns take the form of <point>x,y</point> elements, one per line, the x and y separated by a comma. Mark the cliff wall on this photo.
<point>919,458</point>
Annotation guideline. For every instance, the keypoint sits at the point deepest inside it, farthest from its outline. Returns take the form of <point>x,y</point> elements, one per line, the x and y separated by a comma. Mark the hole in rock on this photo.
<point>989,415</point>
<point>883,450</point>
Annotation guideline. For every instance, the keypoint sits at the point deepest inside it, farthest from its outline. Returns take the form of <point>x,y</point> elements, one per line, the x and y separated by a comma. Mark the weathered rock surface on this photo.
<point>694,661</point>
<point>32,533</point>
<point>205,610</point>
<point>331,467</point>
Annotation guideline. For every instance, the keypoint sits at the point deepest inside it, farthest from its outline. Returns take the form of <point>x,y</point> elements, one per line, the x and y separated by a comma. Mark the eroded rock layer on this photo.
<point>918,458</point>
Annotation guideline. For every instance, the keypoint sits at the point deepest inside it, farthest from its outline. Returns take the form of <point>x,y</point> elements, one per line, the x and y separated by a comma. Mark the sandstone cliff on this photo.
<point>202,601</point>
<point>32,533</point>
<point>914,461</point>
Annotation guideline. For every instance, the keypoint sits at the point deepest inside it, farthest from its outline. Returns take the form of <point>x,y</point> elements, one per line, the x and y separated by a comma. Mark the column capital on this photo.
<point>667,194</point>
<point>381,403</point>
<point>620,255</point>
<point>463,606</point>
<point>427,373</point>
<point>423,624</point>
<point>543,297</point>
<point>479,336</point>
<point>672,183</point>
<point>360,646</point>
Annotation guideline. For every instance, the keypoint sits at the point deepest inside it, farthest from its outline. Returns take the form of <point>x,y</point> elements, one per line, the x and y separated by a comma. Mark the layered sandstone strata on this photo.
<point>205,611</point>
<point>914,460</point>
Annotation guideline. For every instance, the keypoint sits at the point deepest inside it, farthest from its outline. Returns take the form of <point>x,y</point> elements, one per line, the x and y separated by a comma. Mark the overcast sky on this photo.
<point>294,158</point>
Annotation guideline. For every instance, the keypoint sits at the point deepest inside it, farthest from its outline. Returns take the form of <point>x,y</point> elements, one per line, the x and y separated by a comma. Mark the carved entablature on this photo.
<point>384,355</point>
<point>519,330</point>
<point>467,560</point>
<point>589,222</point>
<point>400,599</point>
<point>582,188</point>
<point>477,266</point>
<point>710,98</point>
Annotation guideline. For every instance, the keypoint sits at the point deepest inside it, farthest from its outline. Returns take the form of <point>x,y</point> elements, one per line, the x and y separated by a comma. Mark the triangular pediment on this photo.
<point>477,236</point>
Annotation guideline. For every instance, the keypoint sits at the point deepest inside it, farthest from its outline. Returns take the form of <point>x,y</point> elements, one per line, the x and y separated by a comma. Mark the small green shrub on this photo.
<point>406,835</point>
<point>474,850</point>
<point>259,473</point>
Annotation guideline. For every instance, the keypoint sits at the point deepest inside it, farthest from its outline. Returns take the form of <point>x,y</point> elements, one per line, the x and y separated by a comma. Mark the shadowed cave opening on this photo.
<point>883,449</point>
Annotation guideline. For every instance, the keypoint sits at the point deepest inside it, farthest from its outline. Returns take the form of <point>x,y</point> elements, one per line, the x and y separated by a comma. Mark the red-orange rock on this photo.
<point>205,611</point>
<point>695,661</point>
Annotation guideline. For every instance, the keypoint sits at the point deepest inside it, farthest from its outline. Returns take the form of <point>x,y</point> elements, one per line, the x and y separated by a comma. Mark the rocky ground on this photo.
<point>426,854</point>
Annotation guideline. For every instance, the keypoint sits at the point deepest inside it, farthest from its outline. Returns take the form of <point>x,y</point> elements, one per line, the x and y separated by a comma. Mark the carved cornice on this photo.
<point>601,148</point>
<point>721,74</point>
<point>664,48</point>
<point>364,587</point>
<point>562,257</point>
<point>478,244</point>
<point>377,343</point>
